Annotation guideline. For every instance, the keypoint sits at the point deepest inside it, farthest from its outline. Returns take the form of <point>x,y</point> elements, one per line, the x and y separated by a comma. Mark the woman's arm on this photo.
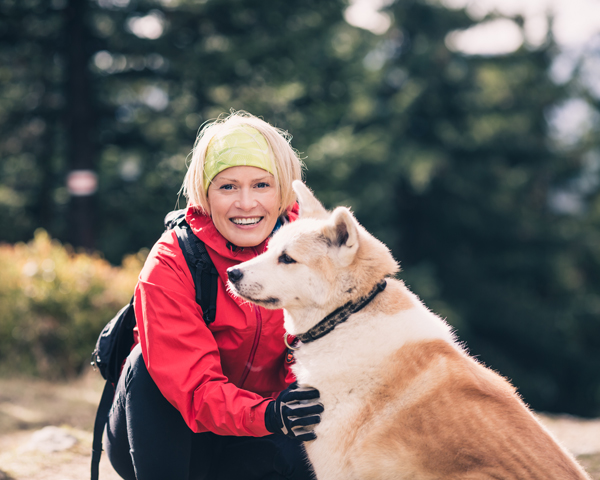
<point>181,353</point>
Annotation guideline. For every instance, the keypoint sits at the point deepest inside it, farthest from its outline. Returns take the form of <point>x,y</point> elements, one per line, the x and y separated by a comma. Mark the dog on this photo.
<point>403,399</point>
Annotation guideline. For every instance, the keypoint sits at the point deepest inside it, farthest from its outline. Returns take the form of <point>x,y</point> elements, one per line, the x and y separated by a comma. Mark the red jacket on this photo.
<point>220,377</point>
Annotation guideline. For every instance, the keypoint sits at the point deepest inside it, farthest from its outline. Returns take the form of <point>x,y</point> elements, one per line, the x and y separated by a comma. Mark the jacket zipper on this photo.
<point>254,347</point>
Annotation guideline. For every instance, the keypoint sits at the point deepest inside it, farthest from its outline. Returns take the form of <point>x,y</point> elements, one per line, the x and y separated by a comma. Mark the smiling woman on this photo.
<point>198,400</point>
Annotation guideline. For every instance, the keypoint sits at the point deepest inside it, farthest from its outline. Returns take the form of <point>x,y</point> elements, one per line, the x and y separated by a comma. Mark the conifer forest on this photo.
<point>463,164</point>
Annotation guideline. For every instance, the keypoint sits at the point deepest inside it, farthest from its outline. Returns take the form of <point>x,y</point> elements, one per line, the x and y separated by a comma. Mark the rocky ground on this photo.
<point>30,450</point>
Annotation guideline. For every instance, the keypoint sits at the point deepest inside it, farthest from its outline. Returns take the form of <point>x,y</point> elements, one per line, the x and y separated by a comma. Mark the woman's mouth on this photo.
<point>246,221</point>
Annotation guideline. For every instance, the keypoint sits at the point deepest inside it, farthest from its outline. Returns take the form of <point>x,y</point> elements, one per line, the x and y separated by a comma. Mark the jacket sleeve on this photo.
<point>181,353</point>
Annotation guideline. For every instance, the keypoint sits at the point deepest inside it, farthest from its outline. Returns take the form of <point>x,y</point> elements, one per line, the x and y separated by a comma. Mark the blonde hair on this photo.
<point>288,166</point>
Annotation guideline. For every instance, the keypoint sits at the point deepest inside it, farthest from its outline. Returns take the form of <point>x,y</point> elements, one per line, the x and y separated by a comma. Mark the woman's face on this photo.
<point>244,204</point>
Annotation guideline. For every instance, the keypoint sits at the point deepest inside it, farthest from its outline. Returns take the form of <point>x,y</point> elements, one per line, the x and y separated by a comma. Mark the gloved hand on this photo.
<point>295,408</point>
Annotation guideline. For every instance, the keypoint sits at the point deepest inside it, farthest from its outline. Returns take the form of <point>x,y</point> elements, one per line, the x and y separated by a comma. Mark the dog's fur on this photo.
<point>403,400</point>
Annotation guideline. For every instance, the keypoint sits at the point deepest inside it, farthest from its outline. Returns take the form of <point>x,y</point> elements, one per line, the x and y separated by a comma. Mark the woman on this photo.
<point>198,401</point>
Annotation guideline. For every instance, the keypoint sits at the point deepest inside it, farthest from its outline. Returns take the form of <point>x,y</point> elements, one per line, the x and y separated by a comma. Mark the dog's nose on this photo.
<point>234,274</point>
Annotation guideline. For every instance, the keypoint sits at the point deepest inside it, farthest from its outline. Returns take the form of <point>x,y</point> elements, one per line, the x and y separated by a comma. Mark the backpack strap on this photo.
<point>101,417</point>
<point>120,329</point>
<point>201,267</point>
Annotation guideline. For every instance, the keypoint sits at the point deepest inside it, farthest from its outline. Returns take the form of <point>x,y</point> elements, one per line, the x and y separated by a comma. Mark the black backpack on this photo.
<point>116,339</point>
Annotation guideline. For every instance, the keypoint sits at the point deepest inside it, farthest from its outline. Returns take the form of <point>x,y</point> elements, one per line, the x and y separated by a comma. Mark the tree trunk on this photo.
<point>81,145</point>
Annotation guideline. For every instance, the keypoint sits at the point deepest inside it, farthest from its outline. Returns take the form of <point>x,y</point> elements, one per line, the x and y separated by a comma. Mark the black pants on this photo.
<point>148,439</point>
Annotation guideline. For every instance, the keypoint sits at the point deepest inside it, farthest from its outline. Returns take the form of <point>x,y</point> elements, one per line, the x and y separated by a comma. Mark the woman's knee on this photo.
<point>135,370</point>
<point>146,435</point>
<point>143,395</point>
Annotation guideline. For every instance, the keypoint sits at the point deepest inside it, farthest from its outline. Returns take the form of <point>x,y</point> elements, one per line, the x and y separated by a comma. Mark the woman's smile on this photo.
<point>246,222</point>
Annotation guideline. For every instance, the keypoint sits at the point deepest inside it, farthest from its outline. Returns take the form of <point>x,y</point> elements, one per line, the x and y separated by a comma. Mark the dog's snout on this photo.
<point>234,274</point>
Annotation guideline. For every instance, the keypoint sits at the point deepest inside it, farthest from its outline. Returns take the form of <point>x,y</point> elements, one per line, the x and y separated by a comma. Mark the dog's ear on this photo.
<point>309,205</point>
<point>343,234</point>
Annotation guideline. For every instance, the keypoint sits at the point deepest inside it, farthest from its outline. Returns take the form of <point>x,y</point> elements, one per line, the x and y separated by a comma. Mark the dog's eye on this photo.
<point>285,258</point>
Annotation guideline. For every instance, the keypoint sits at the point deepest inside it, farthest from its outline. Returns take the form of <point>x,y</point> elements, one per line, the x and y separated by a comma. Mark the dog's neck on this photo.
<point>339,315</point>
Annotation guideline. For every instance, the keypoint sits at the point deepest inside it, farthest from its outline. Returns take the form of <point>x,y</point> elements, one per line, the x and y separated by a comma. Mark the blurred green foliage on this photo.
<point>54,304</point>
<point>454,161</point>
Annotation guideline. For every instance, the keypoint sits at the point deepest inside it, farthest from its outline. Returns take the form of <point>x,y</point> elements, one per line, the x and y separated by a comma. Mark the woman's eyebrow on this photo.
<point>234,180</point>
<point>261,179</point>
<point>226,180</point>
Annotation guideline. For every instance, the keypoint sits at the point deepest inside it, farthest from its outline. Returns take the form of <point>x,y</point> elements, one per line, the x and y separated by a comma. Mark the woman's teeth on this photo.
<point>246,221</point>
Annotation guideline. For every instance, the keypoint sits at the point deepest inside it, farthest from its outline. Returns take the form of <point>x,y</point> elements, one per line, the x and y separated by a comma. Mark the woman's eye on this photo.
<point>227,186</point>
<point>263,185</point>
<point>285,258</point>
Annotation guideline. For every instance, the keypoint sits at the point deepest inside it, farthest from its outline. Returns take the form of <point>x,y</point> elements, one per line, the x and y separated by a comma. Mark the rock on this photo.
<point>51,439</point>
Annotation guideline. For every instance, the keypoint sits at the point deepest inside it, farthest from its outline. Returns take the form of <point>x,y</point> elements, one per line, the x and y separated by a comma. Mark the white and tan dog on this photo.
<point>403,400</point>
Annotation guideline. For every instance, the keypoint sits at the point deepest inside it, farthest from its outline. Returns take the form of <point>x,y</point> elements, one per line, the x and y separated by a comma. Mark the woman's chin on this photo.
<point>248,237</point>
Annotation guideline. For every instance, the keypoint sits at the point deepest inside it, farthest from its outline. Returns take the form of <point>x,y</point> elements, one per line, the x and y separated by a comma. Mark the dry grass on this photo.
<point>27,405</point>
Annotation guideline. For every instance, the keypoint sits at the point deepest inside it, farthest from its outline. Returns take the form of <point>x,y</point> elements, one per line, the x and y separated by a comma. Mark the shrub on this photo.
<point>54,302</point>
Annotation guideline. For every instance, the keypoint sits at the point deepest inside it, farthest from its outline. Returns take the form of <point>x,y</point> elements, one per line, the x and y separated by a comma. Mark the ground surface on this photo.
<point>28,405</point>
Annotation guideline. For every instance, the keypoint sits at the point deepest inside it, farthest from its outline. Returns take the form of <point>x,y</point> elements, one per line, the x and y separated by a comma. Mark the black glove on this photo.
<point>295,408</point>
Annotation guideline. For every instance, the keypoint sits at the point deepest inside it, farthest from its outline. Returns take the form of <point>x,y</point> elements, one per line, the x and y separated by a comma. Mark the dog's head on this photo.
<point>313,265</point>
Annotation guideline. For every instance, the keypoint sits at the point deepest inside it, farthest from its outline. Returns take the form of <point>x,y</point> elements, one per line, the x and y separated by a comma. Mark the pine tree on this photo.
<point>453,167</point>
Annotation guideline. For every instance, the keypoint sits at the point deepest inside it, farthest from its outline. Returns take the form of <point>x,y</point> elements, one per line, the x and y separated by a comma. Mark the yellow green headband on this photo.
<point>241,146</point>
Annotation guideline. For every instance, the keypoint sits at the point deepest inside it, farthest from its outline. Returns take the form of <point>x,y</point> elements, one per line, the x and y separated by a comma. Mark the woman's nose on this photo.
<point>246,200</point>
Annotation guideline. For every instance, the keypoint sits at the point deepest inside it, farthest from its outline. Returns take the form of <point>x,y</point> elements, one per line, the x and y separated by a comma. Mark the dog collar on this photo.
<point>339,315</point>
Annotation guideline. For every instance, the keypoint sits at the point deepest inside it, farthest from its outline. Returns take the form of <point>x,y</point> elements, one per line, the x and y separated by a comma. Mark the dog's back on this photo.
<point>465,422</point>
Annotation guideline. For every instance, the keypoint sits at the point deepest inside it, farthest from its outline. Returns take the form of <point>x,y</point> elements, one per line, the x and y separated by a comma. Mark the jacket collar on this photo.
<point>204,228</point>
